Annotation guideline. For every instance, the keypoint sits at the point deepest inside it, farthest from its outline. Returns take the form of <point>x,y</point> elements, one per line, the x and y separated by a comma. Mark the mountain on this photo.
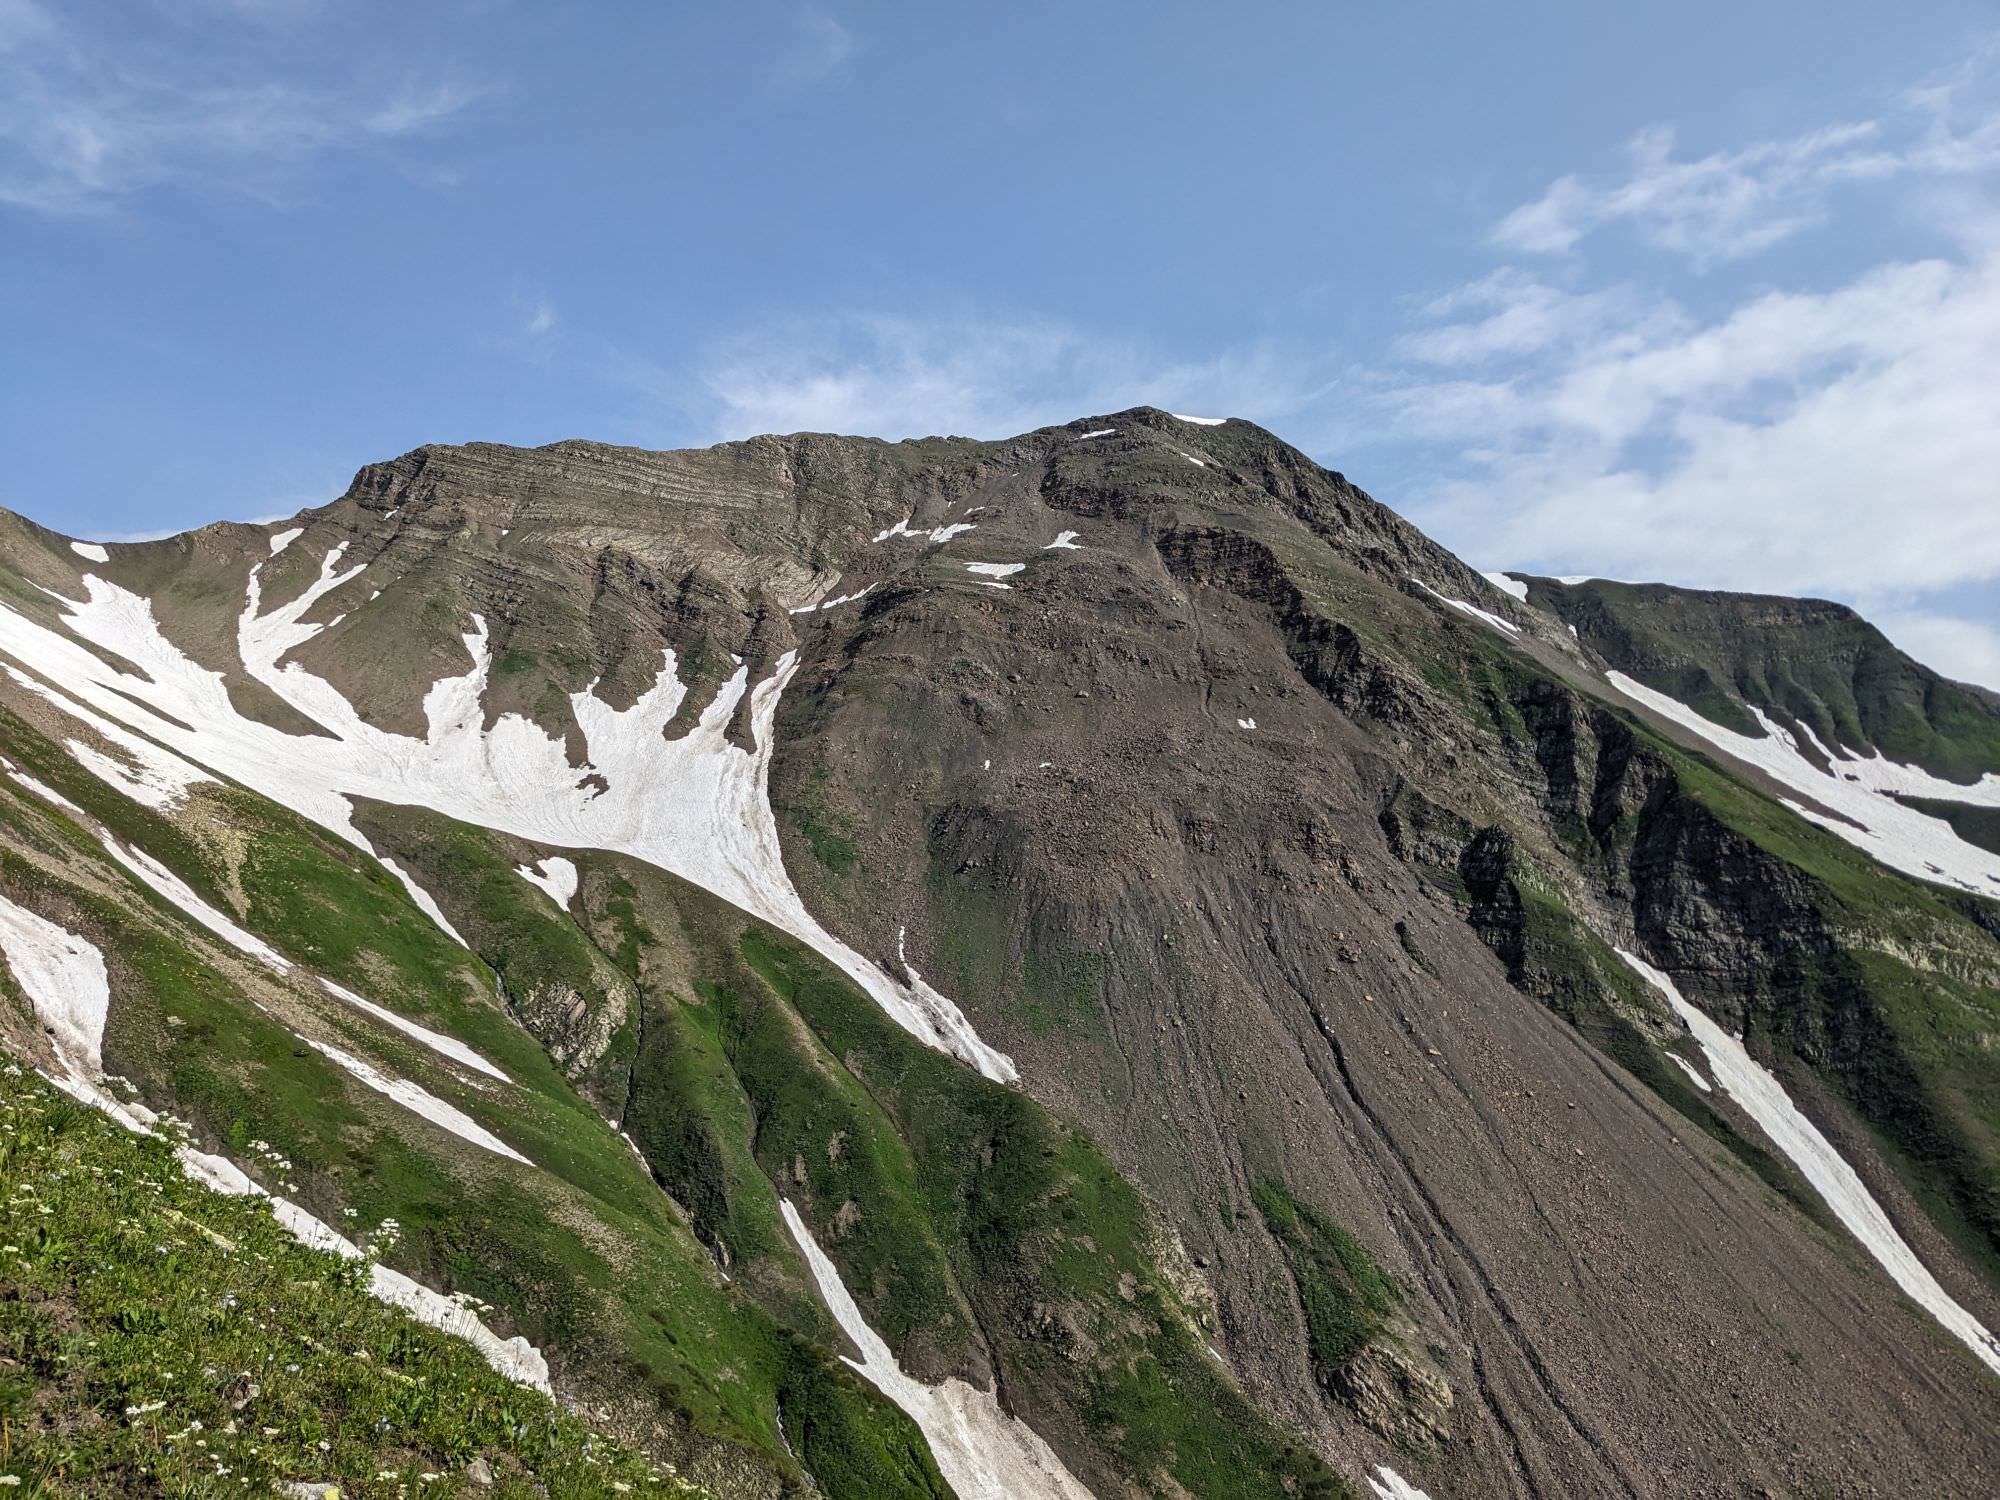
<point>1099,964</point>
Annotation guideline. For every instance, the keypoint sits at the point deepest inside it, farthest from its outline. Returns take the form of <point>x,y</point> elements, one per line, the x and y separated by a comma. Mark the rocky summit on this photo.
<point>1104,964</point>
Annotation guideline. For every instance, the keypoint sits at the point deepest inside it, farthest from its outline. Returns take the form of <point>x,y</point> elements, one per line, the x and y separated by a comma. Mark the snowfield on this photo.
<point>1508,626</point>
<point>697,806</point>
<point>1860,795</point>
<point>1757,1091</point>
<point>983,1453</point>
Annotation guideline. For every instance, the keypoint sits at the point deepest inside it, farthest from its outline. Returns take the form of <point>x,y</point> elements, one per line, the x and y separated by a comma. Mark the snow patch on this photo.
<point>1246,723</point>
<point>1693,1073</point>
<point>1764,1099</point>
<point>1389,1485</point>
<point>1471,609</point>
<point>1507,585</point>
<point>1199,463</point>
<point>806,609</point>
<point>66,982</point>
<point>1198,421</point>
<point>285,539</point>
<point>91,550</point>
<point>983,1453</point>
<point>697,806</point>
<point>418,1100</point>
<point>1084,437</point>
<point>557,876</point>
<point>47,793</point>
<point>439,1043</point>
<point>165,882</point>
<point>940,534</point>
<point>995,570</point>
<point>1861,791</point>
<point>419,897</point>
<point>1065,540</point>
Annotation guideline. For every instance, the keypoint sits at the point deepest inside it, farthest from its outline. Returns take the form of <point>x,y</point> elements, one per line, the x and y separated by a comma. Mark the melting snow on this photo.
<point>1064,539</point>
<point>1693,1073</point>
<point>1861,790</point>
<point>65,981</point>
<point>443,1045</point>
<point>697,806</point>
<point>90,550</point>
<point>1471,609</point>
<point>1389,1485</point>
<point>1507,585</point>
<point>557,876</point>
<point>40,789</point>
<point>941,534</point>
<point>806,609</point>
<point>995,570</point>
<point>285,539</point>
<point>418,1100</point>
<point>983,1453</point>
<point>1198,421</point>
<point>159,878</point>
<point>1084,437</point>
<point>423,900</point>
<point>1764,1099</point>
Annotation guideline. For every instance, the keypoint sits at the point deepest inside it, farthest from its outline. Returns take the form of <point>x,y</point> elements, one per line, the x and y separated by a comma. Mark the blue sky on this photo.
<point>1698,292</point>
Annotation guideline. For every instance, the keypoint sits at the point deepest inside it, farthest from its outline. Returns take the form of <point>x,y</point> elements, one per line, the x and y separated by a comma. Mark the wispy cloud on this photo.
<point>818,47</point>
<point>1837,440</point>
<point>1731,204</point>
<point>898,376</point>
<point>86,123</point>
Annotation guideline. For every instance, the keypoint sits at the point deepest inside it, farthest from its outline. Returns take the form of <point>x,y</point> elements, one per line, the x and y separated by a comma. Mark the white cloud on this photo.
<point>85,123</point>
<point>910,377</point>
<point>1966,650</point>
<point>818,48</point>
<point>1840,440</point>
<point>1731,204</point>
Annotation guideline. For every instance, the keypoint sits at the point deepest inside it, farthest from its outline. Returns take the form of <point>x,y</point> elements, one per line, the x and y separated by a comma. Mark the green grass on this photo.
<point>160,1338</point>
<point>1347,1298</point>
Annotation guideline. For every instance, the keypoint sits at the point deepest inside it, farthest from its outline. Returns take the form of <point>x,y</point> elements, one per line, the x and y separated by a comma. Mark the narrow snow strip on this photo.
<point>419,1100</point>
<point>1862,791</point>
<point>90,550</point>
<point>285,539</point>
<point>697,806</point>
<point>1389,1485</point>
<point>65,980</point>
<point>164,881</point>
<point>423,900</point>
<point>1197,462</point>
<point>1198,421</point>
<point>806,609</point>
<point>1471,609</point>
<point>47,793</point>
<point>1084,437</point>
<point>1246,723</point>
<point>1693,1073</point>
<point>438,1042</point>
<point>557,876</point>
<point>1065,540</point>
<point>1507,585</point>
<point>1764,1099</point>
<point>990,584</point>
<point>983,1453</point>
<point>995,570</point>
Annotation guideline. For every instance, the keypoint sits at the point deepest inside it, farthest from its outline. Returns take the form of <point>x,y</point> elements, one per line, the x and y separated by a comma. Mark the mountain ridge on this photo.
<point>1287,858</point>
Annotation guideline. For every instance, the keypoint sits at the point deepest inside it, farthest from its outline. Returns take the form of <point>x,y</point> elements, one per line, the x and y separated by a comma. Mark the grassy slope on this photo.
<point>586,1257</point>
<point>160,1338</point>
<point>964,1217</point>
